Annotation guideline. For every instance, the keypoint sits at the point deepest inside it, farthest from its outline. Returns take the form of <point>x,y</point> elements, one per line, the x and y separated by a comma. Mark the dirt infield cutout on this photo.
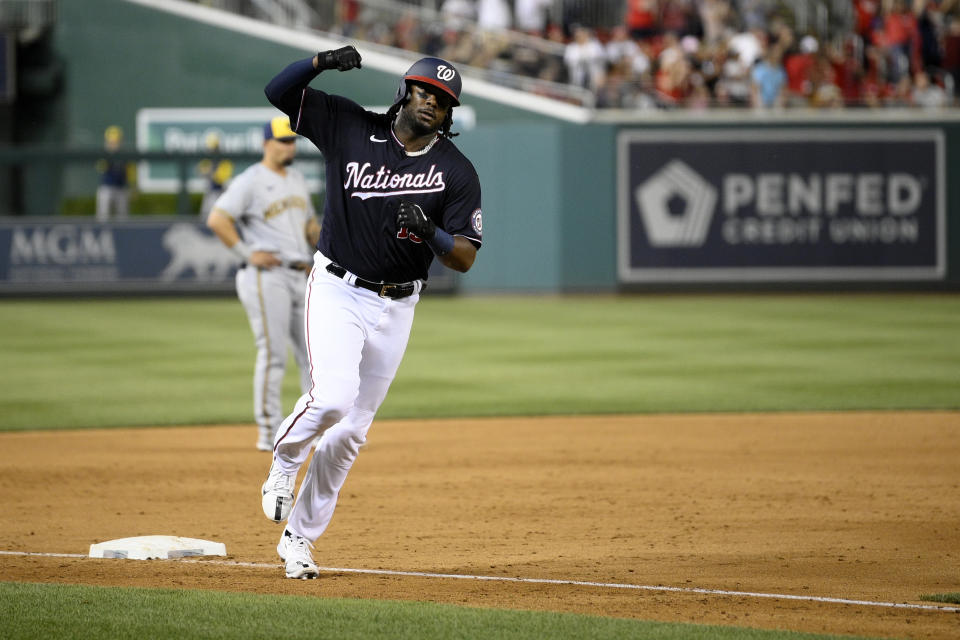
<point>815,522</point>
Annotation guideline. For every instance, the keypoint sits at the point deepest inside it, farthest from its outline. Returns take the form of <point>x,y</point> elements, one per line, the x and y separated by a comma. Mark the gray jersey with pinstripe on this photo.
<point>271,211</point>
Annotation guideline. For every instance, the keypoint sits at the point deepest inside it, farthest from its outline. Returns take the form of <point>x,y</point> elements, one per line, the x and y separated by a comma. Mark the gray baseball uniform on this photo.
<point>271,212</point>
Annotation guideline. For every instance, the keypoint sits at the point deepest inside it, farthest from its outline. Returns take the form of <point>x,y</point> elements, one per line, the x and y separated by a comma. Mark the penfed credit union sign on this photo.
<point>781,205</point>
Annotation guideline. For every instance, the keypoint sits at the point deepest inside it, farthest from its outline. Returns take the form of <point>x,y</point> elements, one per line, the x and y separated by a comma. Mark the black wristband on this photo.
<point>325,61</point>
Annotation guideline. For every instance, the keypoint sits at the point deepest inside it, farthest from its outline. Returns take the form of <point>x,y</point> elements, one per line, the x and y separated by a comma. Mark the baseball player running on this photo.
<point>267,219</point>
<point>398,193</point>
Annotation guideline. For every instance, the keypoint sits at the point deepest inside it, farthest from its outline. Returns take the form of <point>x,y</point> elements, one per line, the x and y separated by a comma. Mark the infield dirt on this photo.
<point>861,506</point>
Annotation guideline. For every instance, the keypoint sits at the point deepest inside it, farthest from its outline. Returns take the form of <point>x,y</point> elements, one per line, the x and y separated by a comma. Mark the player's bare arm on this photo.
<point>221,223</point>
<point>313,231</point>
<point>461,257</point>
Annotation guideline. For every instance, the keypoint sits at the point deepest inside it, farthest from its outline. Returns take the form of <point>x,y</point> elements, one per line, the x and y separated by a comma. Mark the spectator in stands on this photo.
<point>628,72</point>
<point>527,61</point>
<point>113,194</point>
<point>612,94</point>
<point>553,68</point>
<point>929,30</point>
<point>710,59</point>
<point>753,13</point>
<point>493,15</point>
<point>457,14</point>
<point>530,16</point>
<point>699,98</point>
<point>491,50</point>
<point>887,39</point>
<point>670,50</point>
<point>898,35</point>
<point>927,94</point>
<point>799,65</point>
<point>672,77</point>
<point>951,49</point>
<point>585,59</point>
<point>768,81</point>
<point>848,69</point>
<point>380,33</point>
<point>620,48</point>
<point>575,13</point>
<point>900,95</point>
<point>407,32</point>
<point>865,13</point>
<point>347,13</point>
<point>826,91</point>
<point>681,17</point>
<point>748,46</point>
<point>715,16</point>
<point>642,18</point>
<point>873,86</point>
<point>734,81</point>
<point>458,46</point>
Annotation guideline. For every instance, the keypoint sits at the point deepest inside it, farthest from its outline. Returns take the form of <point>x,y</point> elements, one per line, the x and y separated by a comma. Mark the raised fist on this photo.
<point>343,59</point>
<point>412,217</point>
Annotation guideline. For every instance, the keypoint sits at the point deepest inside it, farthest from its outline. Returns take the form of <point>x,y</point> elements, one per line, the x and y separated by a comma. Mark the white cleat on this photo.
<point>295,552</point>
<point>278,494</point>
<point>265,439</point>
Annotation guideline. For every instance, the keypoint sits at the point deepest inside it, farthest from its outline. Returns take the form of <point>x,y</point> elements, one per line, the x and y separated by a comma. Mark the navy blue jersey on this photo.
<point>368,172</point>
<point>114,173</point>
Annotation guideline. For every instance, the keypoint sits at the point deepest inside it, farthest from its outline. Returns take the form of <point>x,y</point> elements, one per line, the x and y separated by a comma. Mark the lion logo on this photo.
<point>193,250</point>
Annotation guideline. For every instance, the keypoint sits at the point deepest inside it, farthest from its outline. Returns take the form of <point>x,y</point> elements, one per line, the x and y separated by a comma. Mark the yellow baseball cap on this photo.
<point>279,129</point>
<point>211,141</point>
<point>113,134</point>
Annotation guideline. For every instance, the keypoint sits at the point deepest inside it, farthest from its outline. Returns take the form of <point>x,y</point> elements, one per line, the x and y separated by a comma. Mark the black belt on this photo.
<point>296,266</point>
<point>382,289</point>
<point>299,266</point>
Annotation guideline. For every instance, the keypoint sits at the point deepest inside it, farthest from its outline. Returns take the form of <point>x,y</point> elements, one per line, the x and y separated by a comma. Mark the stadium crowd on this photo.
<point>696,54</point>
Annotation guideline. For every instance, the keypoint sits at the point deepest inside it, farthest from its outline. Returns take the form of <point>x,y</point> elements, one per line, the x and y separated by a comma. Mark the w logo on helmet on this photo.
<point>433,71</point>
<point>445,73</point>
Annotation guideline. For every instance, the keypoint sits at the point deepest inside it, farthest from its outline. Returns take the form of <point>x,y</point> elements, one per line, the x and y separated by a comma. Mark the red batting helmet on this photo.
<point>433,71</point>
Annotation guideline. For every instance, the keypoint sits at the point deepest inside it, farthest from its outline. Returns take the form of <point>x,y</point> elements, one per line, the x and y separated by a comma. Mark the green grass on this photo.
<point>87,363</point>
<point>164,204</point>
<point>56,612</point>
<point>144,204</point>
<point>683,354</point>
<point>949,598</point>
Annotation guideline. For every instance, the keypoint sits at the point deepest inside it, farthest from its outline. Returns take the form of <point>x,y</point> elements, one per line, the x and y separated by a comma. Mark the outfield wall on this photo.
<point>821,203</point>
<point>857,198</point>
<point>626,202</point>
<point>150,256</point>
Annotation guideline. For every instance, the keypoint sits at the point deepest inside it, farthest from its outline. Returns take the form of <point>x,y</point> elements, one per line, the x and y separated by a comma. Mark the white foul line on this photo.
<point>577,583</point>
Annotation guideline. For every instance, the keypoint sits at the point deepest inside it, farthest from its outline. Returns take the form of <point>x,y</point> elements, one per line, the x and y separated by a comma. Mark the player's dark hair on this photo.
<point>444,131</point>
<point>447,123</point>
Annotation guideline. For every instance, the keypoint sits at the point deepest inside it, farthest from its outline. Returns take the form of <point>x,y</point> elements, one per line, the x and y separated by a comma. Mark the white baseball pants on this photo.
<point>112,199</point>
<point>355,341</point>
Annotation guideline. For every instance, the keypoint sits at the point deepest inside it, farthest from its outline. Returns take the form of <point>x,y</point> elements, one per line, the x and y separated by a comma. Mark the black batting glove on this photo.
<point>342,59</point>
<point>412,217</point>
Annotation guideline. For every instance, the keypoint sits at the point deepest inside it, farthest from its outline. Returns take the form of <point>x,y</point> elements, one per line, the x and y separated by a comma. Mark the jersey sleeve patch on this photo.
<point>476,221</point>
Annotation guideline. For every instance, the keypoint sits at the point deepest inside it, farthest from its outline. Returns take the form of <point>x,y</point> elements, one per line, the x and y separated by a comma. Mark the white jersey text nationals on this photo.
<point>363,182</point>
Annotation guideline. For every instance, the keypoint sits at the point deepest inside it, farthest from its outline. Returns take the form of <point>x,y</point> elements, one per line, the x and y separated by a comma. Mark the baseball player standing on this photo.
<point>216,173</point>
<point>398,193</point>
<point>113,194</point>
<point>267,219</point>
